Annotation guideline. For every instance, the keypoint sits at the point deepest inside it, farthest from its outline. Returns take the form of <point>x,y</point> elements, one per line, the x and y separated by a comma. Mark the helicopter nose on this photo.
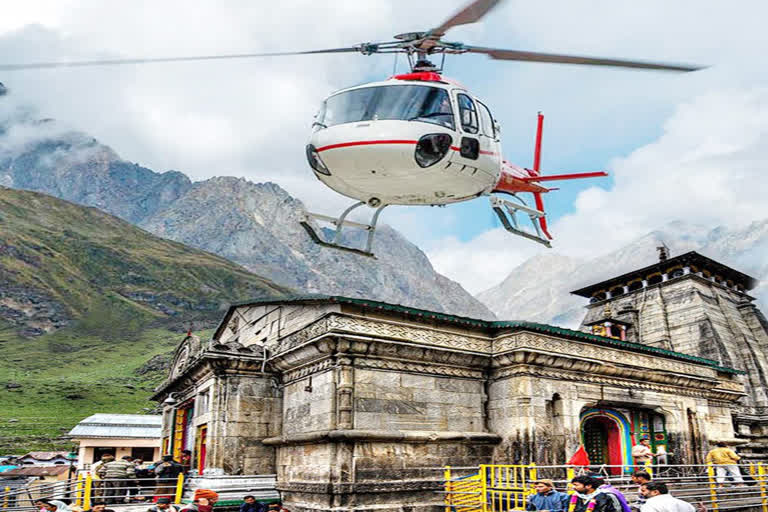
<point>377,149</point>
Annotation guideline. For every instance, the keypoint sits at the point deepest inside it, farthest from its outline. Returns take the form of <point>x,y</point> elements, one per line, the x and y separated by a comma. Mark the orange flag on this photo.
<point>580,458</point>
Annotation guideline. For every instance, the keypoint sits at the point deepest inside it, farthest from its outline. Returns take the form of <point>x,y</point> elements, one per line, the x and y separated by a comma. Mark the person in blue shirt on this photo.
<point>251,505</point>
<point>547,499</point>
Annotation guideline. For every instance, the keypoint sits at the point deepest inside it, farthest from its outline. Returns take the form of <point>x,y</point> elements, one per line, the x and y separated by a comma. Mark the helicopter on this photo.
<point>418,138</point>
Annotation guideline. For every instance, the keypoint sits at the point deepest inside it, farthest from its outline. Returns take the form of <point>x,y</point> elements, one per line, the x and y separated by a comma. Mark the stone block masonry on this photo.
<point>358,405</point>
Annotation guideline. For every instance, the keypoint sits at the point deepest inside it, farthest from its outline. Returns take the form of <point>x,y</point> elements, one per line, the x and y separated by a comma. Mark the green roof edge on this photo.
<point>489,324</point>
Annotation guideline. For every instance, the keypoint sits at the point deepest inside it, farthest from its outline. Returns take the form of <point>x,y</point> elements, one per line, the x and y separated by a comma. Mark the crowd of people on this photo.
<point>125,480</point>
<point>131,480</point>
<point>203,501</point>
<point>591,493</point>
<point>121,481</point>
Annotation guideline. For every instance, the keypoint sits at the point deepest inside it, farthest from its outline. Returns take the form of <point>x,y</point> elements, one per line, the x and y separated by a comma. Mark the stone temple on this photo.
<point>356,404</point>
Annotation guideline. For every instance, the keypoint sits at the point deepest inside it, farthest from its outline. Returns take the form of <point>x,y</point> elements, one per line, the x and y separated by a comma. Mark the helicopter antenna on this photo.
<point>394,66</point>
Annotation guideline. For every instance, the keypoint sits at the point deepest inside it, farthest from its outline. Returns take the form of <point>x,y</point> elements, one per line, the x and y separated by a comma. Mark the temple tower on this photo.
<point>695,305</point>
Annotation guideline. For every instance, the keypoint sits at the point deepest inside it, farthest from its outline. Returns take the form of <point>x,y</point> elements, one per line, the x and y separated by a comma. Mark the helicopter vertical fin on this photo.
<point>537,147</point>
<point>537,172</point>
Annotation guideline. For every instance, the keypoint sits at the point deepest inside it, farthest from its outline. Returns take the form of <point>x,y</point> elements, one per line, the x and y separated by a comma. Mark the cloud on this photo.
<point>482,262</point>
<point>707,167</point>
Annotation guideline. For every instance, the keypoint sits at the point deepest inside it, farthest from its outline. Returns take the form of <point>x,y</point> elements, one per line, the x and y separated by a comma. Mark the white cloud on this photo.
<point>482,262</point>
<point>708,167</point>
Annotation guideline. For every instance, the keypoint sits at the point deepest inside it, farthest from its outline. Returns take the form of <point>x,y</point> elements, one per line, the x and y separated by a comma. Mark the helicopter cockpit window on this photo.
<point>392,102</point>
<point>486,121</point>
<point>468,113</point>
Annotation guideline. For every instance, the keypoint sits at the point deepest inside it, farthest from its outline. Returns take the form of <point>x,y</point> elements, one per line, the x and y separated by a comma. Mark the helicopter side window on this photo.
<point>393,102</point>
<point>468,113</point>
<point>487,121</point>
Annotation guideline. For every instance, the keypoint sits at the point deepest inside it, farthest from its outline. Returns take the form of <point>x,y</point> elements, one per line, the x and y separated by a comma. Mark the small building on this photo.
<point>39,481</point>
<point>137,435</point>
<point>44,459</point>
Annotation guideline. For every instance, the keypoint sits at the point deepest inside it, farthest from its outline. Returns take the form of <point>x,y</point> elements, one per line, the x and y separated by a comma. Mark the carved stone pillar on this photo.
<point>344,386</point>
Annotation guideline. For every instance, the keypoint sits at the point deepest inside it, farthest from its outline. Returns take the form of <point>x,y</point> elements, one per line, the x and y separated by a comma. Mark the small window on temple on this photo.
<point>635,285</point>
<point>678,272</point>
<point>615,331</point>
<point>203,402</point>
<point>619,290</point>
<point>654,279</point>
<point>597,297</point>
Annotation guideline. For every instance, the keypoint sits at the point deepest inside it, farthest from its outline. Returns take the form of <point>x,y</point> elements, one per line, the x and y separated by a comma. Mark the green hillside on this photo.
<point>85,301</point>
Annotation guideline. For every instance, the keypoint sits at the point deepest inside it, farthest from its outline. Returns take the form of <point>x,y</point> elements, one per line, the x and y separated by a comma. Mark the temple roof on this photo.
<point>689,258</point>
<point>472,322</point>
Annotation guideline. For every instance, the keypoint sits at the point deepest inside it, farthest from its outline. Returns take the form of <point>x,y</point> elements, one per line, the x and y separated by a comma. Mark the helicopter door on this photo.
<point>489,139</point>
<point>470,126</point>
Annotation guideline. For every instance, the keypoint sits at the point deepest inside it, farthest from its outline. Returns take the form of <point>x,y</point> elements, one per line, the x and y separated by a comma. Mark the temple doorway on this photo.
<point>606,435</point>
<point>601,440</point>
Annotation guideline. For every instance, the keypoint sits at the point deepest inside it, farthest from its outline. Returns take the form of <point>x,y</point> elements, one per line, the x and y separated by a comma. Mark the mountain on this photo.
<point>253,224</point>
<point>538,290</point>
<point>61,263</point>
<point>85,300</point>
<point>257,225</point>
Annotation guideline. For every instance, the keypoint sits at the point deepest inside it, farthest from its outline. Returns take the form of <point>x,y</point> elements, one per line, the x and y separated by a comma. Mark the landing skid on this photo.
<point>507,213</point>
<point>340,223</point>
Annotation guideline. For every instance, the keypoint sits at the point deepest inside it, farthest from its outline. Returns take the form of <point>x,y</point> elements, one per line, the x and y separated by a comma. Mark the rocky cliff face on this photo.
<point>539,289</point>
<point>255,225</point>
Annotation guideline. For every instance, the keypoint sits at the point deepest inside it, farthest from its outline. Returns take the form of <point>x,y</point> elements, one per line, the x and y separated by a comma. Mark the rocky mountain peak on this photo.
<point>253,224</point>
<point>539,289</point>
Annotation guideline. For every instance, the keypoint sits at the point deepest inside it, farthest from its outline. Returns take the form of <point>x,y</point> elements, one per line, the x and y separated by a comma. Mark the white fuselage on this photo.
<point>369,148</point>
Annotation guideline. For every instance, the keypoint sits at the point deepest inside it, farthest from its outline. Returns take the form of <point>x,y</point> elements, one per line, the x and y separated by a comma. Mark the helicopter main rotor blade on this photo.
<point>469,14</point>
<point>500,54</point>
<point>119,62</point>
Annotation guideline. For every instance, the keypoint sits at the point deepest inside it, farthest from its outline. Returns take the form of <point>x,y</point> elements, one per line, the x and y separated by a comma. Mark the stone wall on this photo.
<point>248,412</point>
<point>391,400</point>
<point>308,404</point>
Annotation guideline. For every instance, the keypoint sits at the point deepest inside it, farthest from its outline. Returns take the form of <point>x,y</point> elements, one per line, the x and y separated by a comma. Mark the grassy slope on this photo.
<point>128,296</point>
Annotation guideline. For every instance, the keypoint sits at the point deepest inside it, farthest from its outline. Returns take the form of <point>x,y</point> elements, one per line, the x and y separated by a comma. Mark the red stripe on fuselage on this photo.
<point>373,142</point>
<point>365,143</point>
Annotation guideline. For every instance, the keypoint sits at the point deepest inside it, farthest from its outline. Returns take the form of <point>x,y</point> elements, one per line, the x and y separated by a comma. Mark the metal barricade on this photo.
<point>503,487</point>
<point>80,492</point>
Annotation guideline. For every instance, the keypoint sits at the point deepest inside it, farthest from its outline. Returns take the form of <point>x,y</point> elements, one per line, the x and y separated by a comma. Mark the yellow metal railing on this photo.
<point>87,492</point>
<point>759,474</point>
<point>463,494</point>
<point>712,486</point>
<point>507,487</point>
<point>80,491</point>
<point>179,488</point>
<point>648,468</point>
<point>495,488</point>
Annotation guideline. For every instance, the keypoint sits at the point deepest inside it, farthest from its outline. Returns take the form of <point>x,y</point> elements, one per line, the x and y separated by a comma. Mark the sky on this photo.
<point>691,147</point>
